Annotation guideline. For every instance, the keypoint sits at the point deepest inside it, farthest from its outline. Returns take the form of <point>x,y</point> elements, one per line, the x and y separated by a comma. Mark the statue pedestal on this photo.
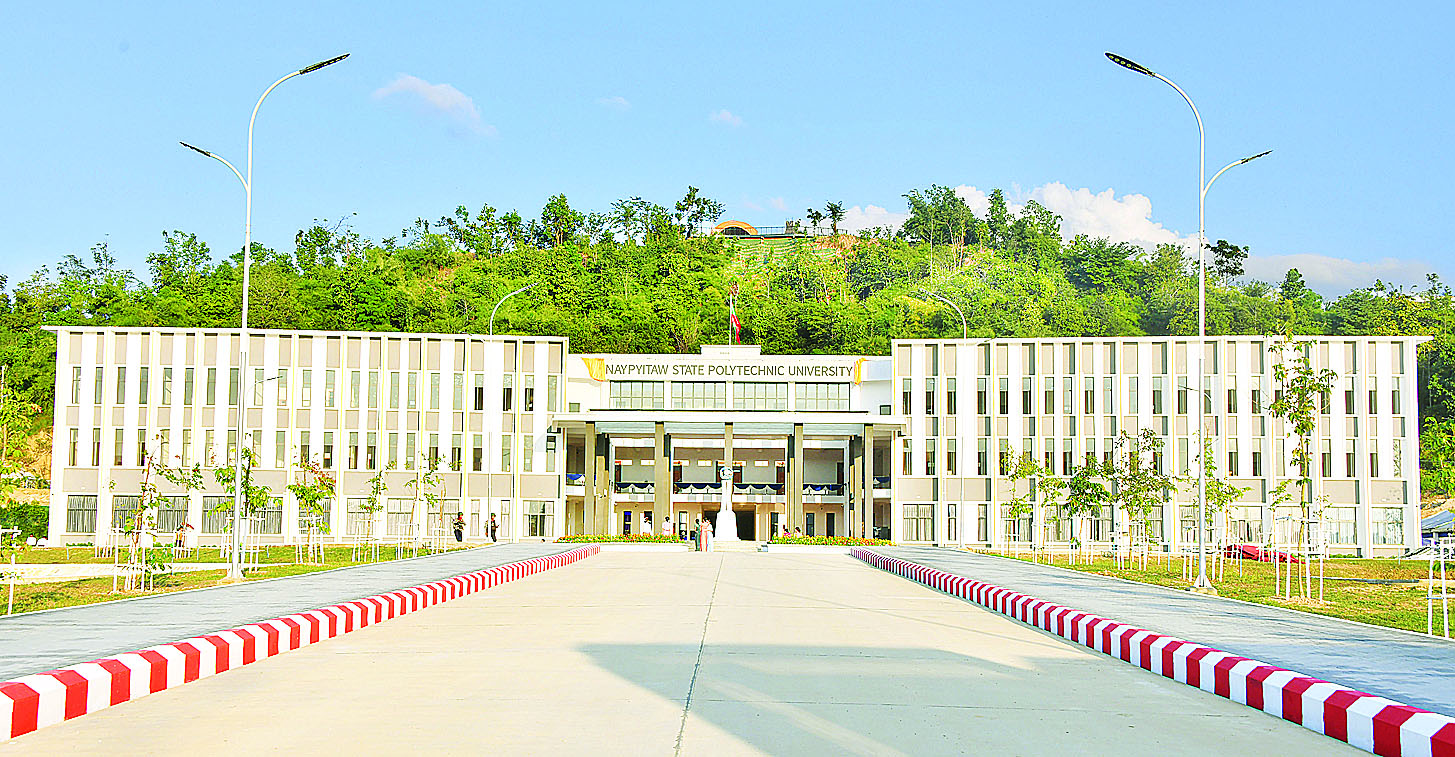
<point>726,528</point>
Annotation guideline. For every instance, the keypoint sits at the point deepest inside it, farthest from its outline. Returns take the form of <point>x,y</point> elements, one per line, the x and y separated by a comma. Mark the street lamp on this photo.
<point>234,568</point>
<point>502,301</point>
<point>964,328</point>
<point>1202,584</point>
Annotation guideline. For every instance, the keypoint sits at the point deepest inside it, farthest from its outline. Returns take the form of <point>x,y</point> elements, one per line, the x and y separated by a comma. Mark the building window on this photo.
<point>1341,526</point>
<point>76,385</point>
<point>699,395</point>
<point>527,453</point>
<point>373,389</point>
<point>188,379</point>
<point>281,399</point>
<point>760,395</point>
<point>318,518</point>
<point>822,396</point>
<point>952,526</point>
<point>117,449</point>
<point>529,398</point>
<point>904,398</point>
<point>121,385</point>
<point>81,513</point>
<point>216,514</point>
<point>258,387</point>
<point>477,454</point>
<point>908,458</point>
<point>1386,525</point>
<point>950,464</point>
<point>233,379</point>
<point>328,449</point>
<point>538,517</point>
<point>269,520</point>
<point>950,396</point>
<point>358,520</point>
<point>394,390</point>
<point>1004,403</point>
<point>551,384</point>
<point>141,448</point>
<point>411,396</point>
<point>929,396</point>
<point>166,386</point>
<point>410,440</point>
<point>123,511</point>
<point>458,397</point>
<point>434,391</point>
<point>551,453</point>
<point>74,451</point>
<point>479,391</point>
<point>280,449</point>
<point>929,457</point>
<point>636,395</point>
<point>507,392</point>
<point>353,450</point>
<point>305,389</point>
<point>919,523</point>
<point>399,517</point>
<point>391,451</point>
<point>371,452</point>
<point>171,514</point>
<point>505,444</point>
<point>457,451</point>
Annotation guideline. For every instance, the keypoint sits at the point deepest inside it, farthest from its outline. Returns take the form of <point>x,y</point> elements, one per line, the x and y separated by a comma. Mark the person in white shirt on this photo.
<point>667,527</point>
<point>706,535</point>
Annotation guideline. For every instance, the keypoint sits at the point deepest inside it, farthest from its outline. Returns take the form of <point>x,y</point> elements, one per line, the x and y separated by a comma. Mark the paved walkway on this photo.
<point>696,654</point>
<point>41,641</point>
<point>1395,664</point>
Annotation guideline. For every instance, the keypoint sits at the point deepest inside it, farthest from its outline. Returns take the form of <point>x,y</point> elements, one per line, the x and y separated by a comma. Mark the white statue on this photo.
<point>726,528</point>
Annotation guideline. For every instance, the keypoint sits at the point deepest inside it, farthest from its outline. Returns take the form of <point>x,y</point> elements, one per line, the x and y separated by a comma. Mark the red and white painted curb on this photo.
<point>1371,723</point>
<point>43,699</point>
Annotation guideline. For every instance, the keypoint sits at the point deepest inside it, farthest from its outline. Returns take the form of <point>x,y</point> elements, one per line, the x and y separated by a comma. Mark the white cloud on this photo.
<point>615,102</point>
<point>871,217</point>
<point>753,206</point>
<point>778,204</point>
<point>1095,214</point>
<point>725,116</point>
<point>976,200</point>
<point>442,99</point>
<point>1334,276</point>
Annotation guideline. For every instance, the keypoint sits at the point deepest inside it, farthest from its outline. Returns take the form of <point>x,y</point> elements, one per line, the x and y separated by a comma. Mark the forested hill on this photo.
<point>641,278</point>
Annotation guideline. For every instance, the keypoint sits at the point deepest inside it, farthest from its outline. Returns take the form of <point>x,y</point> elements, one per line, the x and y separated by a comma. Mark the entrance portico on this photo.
<point>627,470</point>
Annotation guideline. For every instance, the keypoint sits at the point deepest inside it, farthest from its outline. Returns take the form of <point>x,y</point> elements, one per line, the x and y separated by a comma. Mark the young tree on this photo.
<point>256,497</point>
<point>815,217</point>
<point>1086,497</point>
<point>1042,492</point>
<point>834,211</point>
<point>314,493</point>
<point>1220,497</point>
<point>1299,389</point>
<point>1139,484</point>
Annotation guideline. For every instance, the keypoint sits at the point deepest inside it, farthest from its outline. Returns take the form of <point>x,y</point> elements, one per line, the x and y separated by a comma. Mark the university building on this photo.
<point>518,429</point>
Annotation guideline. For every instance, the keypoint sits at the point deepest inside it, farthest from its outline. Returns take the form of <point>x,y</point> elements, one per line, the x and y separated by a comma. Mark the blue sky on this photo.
<point>770,107</point>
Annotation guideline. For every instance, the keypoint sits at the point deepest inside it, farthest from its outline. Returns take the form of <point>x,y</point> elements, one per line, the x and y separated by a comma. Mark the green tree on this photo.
<point>834,211</point>
<point>1139,482</point>
<point>1228,260</point>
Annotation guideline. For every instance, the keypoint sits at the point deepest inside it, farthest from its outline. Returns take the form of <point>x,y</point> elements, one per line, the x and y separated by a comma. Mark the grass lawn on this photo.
<point>1392,605</point>
<point>278,562</point>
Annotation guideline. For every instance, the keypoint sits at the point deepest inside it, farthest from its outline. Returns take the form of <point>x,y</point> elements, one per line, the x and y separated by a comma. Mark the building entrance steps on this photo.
<point>1407,667</point>
<point>40,641</point>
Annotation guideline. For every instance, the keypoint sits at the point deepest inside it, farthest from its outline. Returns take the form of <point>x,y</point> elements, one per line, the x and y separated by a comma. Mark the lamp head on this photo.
<point>1129,64</point>
<point>1251,158</point>
<point>197,149</point>
<point>316,66</point>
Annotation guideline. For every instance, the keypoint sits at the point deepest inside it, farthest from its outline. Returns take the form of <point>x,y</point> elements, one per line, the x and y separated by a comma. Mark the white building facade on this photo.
<point>547,443</point>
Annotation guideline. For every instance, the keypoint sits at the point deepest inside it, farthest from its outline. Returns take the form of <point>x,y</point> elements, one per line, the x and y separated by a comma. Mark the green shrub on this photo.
<point>832,541</point>
<point>630,539</point>
<point>29,518</point>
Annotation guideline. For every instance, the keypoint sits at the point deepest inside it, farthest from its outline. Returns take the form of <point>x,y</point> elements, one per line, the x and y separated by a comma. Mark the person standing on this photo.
<point>493,527</point>
<point>459,527</point>
<point>667,527</point>
<point>706,536</point>
<point>697,534</point>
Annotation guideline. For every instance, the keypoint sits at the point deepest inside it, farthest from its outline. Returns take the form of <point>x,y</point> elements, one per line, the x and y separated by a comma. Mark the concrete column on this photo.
<point>853,486</point>
<point>727,459</point>
<point>605,457</point>
<point>588,482</point>
<point>866,467</point>
<point>661,477</point>
<point>795,491</point>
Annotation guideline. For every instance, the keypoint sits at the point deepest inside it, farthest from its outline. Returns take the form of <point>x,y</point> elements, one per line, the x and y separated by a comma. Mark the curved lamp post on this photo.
<point>1202,584</point>
<point>964,327</point>
<point>234,567</point>
<point>502,302</point>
